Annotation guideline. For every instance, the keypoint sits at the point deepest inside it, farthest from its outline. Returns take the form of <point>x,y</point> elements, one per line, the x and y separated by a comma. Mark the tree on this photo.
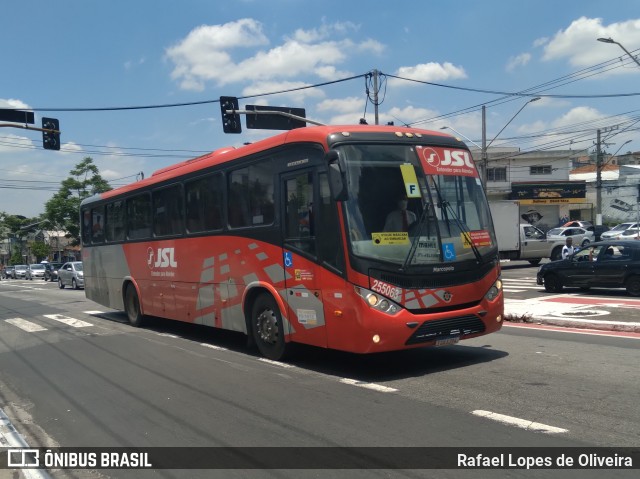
<point>40,249</point>
<point>63,209</point>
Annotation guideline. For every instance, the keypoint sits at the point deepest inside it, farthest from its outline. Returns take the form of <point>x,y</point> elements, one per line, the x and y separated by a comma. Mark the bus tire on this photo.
<point>132,306</point>
<point>267,327</point>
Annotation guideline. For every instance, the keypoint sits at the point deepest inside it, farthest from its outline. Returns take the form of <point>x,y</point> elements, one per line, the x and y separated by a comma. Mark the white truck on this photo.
<point>520,241</point>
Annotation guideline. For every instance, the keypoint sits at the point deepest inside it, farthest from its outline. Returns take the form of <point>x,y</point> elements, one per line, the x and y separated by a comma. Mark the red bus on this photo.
<point>293,239</point>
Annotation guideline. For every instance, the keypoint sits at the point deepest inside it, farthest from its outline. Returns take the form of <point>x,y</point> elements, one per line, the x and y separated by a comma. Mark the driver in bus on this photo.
<point>401,218</point>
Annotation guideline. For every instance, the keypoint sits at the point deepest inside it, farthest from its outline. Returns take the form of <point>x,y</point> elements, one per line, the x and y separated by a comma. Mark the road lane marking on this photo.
<point>93,313</point>
<point>25,325</point>
<point>73,322</point>
<point>276,363</point>
<point>11,438</point>
<point>212,346</point>
<point>373,386</point>
<point>521,423</point>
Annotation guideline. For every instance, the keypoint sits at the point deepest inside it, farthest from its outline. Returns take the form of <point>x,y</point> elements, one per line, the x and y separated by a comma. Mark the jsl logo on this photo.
<point>164,257</point>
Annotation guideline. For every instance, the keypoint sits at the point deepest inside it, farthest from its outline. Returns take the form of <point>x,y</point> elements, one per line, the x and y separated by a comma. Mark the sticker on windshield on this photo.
<point>391,238</point>
<point>448,251</point>
<point>427,250</point>
<point>478,238</point>
<point>410,180</point>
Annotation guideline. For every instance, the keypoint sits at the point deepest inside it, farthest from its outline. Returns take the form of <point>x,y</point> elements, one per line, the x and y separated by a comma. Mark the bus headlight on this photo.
<point>377,301</point>
<point>494,291</point>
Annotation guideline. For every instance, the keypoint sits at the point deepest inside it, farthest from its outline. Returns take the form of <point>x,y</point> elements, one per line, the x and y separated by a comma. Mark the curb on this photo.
<point>618,326</point>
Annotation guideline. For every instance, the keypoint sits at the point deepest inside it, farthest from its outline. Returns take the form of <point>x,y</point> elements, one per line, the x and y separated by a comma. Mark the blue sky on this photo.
<point>94,54</point>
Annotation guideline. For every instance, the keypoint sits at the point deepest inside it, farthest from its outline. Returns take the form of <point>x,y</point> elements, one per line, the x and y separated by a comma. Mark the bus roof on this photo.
<point>312,134</point>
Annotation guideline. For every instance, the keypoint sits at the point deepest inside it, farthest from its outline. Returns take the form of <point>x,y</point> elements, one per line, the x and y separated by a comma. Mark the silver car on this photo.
<point>581,237</point>
<point>35,271</point>
<point>71,274</point>
<point>20,271</point>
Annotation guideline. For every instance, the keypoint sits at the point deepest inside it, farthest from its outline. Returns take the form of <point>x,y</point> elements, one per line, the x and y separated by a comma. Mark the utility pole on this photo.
<point>484,159</point>
<point>598,180</point>
<point>375,96</point>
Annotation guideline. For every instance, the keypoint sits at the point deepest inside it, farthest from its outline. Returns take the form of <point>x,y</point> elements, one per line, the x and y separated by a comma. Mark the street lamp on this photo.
<point>456,131</point>
<point>611,40</point>
<point>485,146</point>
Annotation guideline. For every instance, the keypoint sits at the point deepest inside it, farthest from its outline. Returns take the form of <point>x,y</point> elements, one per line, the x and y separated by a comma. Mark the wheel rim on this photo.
<point>267,326</point>
<point>634,287</point>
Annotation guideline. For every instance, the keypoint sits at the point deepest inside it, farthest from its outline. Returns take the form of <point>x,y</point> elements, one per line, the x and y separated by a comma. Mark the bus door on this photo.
<point>303,274</point>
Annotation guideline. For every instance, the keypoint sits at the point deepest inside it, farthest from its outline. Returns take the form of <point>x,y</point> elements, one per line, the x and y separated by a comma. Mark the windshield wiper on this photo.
<point>442,203</point>
<point>416,238</point>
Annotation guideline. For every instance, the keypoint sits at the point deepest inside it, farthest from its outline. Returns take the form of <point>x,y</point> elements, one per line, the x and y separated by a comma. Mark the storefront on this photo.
<point>547,205</point>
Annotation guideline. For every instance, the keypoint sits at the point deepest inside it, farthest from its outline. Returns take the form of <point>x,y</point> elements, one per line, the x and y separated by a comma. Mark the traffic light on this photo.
<point>230,121</point>
<point>50,139</point>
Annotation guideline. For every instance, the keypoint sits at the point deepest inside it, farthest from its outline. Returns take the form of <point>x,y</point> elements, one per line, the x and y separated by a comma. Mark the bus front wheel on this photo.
<point>132,306</point>
<point>268,328</point>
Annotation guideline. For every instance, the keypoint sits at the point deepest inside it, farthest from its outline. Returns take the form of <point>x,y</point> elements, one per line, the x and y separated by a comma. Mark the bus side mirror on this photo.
<point>337,178</point>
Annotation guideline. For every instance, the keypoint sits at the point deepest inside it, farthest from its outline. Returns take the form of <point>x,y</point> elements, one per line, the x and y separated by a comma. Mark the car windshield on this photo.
<point>21,266</point>
<point>37,266</point>
<point>621,227</point>
<point>404,210</point>
<point>555,232</point>
<point>77,266</point>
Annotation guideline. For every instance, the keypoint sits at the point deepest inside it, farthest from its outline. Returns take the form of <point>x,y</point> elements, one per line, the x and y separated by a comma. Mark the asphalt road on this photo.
<point>87,378</point>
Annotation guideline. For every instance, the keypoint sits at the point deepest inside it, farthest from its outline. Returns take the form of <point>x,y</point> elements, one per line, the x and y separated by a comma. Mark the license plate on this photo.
<point>447,341</point>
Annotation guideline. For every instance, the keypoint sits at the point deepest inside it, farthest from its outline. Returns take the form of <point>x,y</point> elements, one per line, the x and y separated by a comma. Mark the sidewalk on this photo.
<point>604,314</point>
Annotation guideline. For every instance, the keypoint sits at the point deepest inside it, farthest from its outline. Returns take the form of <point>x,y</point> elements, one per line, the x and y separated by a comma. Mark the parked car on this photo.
<point>8,272</point>
<point>597,231</point>
<point>51,271</point>
<point>35,271</point>
<point>20,271</point>
<point>581,237</point>
<point>71,274</point>
<point>617,230</point>
<point>579,224</point>
<point>606,264</point>
<point>630,234</point>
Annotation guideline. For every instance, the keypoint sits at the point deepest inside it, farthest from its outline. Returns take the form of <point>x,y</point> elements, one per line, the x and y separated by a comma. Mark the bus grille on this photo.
<point>443,328</point>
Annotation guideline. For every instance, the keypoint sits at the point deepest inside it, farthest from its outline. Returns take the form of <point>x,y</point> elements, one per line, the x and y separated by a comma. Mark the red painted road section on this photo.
<point>562,329</point>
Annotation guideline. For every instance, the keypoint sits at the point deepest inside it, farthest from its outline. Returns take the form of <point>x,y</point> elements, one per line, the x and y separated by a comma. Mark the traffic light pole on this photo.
<point>26,127</point>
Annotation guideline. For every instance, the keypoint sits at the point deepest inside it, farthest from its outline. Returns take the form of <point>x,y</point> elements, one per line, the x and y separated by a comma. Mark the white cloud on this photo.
<point>518,61</point>
<point>577,116</point>
<point>578,42</point>
<point>429,72</point>
<point>208,54</point>
<point>202,55</point>
<point>14,104</point>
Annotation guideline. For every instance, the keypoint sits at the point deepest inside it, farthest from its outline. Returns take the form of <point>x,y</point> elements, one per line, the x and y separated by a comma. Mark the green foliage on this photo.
<point>40,250</point>
<point>16,257</point>
<point>63,209</point>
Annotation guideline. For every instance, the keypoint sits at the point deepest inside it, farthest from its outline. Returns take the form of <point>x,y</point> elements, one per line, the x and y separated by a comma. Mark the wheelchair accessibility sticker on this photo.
<point>448,251</point>
<point>288,259</point>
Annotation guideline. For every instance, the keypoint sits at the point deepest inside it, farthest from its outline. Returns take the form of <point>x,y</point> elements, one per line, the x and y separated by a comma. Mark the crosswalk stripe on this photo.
<point>25,325</point>
<point>509,290</point>
<point>76,323</point>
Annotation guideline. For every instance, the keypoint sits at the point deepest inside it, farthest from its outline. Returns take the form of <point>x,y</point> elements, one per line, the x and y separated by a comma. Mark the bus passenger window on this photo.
<point>204,204</point>
<point>139,216</point>
<point>97,225</point>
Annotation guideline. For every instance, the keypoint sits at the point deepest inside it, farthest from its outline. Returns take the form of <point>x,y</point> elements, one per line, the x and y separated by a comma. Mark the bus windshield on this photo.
<point>413,206</point>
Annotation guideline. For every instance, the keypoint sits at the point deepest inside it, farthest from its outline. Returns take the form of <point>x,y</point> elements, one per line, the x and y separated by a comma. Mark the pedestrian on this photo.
<point>567,249</point>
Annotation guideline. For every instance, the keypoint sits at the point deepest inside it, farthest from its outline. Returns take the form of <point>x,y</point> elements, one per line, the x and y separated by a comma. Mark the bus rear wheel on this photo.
<point>132,306</point>
<point>267,328</point>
